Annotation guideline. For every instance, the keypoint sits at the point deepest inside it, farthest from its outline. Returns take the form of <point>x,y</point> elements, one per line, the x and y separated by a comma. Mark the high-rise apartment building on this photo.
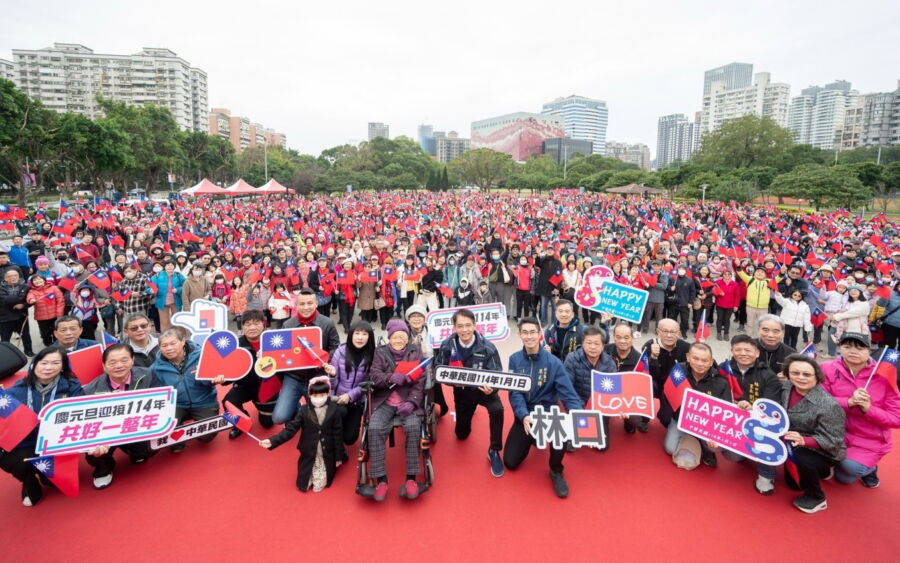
<point>638,153</point>
<point>451,146</point>
<point>241,132</point>
<point>7,70</point>
<point>764,98</point>
<point>69,77</point>
<point>584,118</point>
<point>677,138</point>
<point>872,120</point>
<point>379,130</point>
<point>816,116</point>
<point>732,76</point>
<point>426,139</point>
<point>519,134</point>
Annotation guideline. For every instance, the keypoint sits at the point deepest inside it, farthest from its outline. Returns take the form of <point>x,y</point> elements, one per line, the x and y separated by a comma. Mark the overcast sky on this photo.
<point>319,71</point>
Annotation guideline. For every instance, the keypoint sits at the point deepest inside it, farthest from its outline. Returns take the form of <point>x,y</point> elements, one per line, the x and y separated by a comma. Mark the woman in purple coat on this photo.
<point>352,361</point>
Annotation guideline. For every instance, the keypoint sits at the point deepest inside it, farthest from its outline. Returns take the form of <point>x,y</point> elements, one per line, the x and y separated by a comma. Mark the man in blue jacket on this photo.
<point>176,366</point>
<point>581,363</point>
<point>549,384</point>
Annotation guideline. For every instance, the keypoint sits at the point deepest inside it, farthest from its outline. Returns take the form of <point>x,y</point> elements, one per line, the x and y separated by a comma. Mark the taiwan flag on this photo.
<point>556,278</point>
<point>643,363</point>
<point>100,279</point>
<point>108,340</point>
<point>628,392</point>
<point>69,281</point>
<point>61,470</point>
<point>790,464</point>
<point>818,318</point>
<point>809,351</point>
<point>235,417</point>
<point>345,277</point>
<point>674,387</point>
<point>16,421</point>
<point>887,367</point>
<point>368,276</point>
<point>702,328</point>
<point>87,363</point>
<point>587,429</point>
<point>455,362</point>
<point>114,273</point>
<point>725,371</point>
<point>285,348</point>
<point>413,370</point>
<point>122,294</point>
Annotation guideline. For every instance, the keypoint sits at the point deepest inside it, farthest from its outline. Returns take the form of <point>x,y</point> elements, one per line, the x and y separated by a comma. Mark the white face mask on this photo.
<point>197,272</point>
<point>130,275</point>
<point>85,293</point>
<point>318,401</point>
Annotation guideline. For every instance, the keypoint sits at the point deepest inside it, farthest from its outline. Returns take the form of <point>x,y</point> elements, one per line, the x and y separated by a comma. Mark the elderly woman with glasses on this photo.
<point>816,432</point>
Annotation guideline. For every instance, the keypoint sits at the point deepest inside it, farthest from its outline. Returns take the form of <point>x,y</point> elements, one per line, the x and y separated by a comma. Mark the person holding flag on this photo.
<point>468,348</point>
<point>398,393</point>
<point>48,378</point>
<point>296,382</point>
<point>49,304</point>
<point>665,351</point>
<point>550,384</point>
<point>750,380</point>
<point>816,433</point>
<point>866,391</point>
<point>262,393</point>
<point>626,358</point>
<point>699,373</point>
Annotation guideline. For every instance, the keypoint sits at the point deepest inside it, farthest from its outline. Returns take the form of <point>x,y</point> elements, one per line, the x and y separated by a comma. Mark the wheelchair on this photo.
<point>365,484</point>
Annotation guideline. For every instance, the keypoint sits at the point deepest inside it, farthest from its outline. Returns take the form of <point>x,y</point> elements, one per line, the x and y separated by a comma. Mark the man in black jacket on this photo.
<point>626,358</point>
<point>295,383</point>
<point>247,388</point>
<point>564,336</point>
<point>549,265</point>
<point>702,376</point>
<point>772,348</point>
<point>686,292</point>
<point>666,350</point>
<point>757,381</point>
<point>467,348</point>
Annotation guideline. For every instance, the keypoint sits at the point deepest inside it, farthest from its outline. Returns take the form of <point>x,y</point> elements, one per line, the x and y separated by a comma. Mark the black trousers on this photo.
<point>811,467</point>
<point>384,314</point>
<point>518,444</point>
<point>891,336</point>
<point>523,303</point>
<point>791,335</point>
<point>351,417</point>
<point>46,330</point>
<point>345,314</point>
<point>7,328</point>
<point>684,319</point>
<point>103,465</point>
<point>467,400</point>
<point>723,320</point>
<point>14,463</point>
<point>244,392</point>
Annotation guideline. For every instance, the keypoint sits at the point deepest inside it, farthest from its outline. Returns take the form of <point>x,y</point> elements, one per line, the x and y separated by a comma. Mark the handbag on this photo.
<point>880,320</point>
<point>698,304</point>
<point>379,303</point>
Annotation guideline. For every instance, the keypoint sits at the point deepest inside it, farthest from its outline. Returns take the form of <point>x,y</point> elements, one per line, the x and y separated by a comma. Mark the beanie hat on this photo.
<point>414,310</point>
<point>396,325</point>
<point>41,260</point>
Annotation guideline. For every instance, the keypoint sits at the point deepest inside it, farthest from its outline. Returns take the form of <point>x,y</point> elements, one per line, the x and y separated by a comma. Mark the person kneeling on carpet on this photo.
<point>321,442</point>
<point>549,384</point>
<point>395,395</point>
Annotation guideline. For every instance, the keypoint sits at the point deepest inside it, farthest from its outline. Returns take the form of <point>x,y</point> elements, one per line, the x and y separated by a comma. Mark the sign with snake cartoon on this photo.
<point>754,434</point>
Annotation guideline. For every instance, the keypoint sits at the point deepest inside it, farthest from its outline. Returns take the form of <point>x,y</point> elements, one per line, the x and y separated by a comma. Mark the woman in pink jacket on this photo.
<point>872,408</point>
<point>728,298</point>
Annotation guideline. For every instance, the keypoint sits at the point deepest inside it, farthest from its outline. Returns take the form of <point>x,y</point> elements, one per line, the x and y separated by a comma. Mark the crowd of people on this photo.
<point>767,280</point>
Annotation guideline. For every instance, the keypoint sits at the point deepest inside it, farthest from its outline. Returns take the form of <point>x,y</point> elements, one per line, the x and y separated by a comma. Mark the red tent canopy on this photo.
<point>273,187</point>
<point>203,188</point>
<point>241,188</point>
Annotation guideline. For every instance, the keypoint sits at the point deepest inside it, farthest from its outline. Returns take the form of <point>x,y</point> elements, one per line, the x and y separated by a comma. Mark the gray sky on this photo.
<point>319,71</point>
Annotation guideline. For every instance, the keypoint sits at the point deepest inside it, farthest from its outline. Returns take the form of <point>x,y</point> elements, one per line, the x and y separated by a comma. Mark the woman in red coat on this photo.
<point>728,298</point>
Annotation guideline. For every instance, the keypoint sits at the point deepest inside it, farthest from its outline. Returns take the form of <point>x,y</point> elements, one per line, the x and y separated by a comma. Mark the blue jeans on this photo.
<point>288,400</point>
<point>763,470</point>
<point>548,310</point>
<point>849,471</point>
<point>830,343</point>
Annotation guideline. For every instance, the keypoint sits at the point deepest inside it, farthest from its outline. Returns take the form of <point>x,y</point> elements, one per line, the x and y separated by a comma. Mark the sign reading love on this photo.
<point>221,355</point>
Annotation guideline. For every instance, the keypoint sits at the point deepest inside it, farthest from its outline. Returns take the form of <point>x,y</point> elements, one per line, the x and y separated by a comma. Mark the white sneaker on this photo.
<point>764,485</point>
<point>26,502</point>
<point>103,482</point>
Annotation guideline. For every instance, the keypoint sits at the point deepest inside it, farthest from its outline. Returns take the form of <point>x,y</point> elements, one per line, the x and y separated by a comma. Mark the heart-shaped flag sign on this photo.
<point>221,355</point>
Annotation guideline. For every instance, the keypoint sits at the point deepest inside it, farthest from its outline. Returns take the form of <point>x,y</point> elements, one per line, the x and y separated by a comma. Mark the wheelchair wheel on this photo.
<point>429,471</point>
<point>362,473</point>
<point>432,425</point>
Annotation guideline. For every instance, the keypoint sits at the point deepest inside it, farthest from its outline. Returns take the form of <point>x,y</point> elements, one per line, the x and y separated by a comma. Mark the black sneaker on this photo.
<point>643,426</point>
<point>560,487</point>
<point>235,432</point>
<point>810,504</point>
<point>178,448</point>
<point>630,427</point>
<point>871,480</point>
<point>496,463</point>
<point>709,458</point>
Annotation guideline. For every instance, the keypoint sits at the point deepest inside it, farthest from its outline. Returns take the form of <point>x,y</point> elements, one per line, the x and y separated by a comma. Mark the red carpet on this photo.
<point>232,499</point>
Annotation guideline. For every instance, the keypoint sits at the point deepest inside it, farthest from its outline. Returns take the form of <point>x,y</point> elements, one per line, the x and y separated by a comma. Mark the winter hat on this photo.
<point>396,325</point>
<point>320,379</point>
<point>414,310</point>
<point>41,260</point>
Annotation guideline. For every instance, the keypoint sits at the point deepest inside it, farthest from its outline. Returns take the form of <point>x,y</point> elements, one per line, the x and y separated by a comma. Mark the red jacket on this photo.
<point>728,294</point>
<point>48,302</point>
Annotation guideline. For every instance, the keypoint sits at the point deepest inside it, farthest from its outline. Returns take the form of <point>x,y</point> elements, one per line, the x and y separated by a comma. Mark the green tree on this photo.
<point>444,183</point>
<point>869,173</point>
<point>834,187</point>
<point>25,129</point>
<point>744,143</point>
<point>624,177</point>
<point>740,191</point>
<point>892,176</point>
<point>89,151</point>
<point>482,167</point>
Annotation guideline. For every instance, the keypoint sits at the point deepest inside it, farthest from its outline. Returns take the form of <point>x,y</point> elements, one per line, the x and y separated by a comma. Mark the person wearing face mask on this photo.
<point>85,307</point>
<point>140,295</point>
<point>501,280</point>
<point>471,272</point>
<point>196,286</point>
<point>48,302</point>
<point>464,296</point>
<point>452,274</point>
<point>524,284</point>
<point>686,291</point>
<point>321,437</point>
<point>169,284</point>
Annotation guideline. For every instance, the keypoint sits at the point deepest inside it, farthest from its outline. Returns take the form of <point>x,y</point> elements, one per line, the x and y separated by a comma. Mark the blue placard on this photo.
<point>620,300</point>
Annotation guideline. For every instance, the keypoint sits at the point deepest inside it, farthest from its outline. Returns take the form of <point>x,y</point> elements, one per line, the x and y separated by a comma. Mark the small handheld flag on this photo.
<point>673,389</point>
<point>238,419</point>
<point>702,328</point>
<point>61,470</point>
<point>16,421</point>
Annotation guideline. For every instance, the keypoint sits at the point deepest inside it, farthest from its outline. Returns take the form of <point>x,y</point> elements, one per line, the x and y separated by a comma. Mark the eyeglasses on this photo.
<point>139,327</point>
<point>800,374</point>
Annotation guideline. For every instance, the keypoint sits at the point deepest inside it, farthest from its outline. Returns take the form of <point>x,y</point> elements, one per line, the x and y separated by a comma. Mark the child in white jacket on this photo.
<point>796,316</point>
